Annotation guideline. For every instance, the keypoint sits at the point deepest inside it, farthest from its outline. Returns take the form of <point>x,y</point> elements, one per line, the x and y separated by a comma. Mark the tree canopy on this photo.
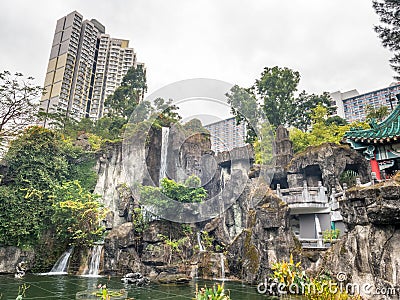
<point>275,89</point>
<point>40,163</point>
<point>158,199</point>
<point>376,113</point>
<point>274,96</point>
<point>389,29</point>
<point>19,99</point>
<point>127,96</point>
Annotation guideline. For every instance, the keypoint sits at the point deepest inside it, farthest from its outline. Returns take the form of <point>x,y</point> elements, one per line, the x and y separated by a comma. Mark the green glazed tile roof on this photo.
<point>386,130</point>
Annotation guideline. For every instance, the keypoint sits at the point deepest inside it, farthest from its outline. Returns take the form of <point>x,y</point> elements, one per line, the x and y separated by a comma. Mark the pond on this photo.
<point>66,287</point>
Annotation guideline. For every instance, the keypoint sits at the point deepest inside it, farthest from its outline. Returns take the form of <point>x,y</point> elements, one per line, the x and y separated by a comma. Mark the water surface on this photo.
<point>66,287</point>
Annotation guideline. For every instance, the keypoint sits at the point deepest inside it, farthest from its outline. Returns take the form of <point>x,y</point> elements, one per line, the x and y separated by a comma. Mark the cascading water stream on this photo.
<point>222,257</point>
<point>201,248</point>
<point>95,258</point>
<point>318,231</point>
<point>61,266</point>
<point>164,151</point>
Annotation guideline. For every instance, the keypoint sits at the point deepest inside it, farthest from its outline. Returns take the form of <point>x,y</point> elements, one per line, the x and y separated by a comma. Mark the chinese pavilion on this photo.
<point>380,144</point>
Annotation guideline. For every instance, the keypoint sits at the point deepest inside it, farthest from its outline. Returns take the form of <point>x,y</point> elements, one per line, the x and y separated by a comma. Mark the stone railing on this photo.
<point>317,243</point>
<point>303,195</point>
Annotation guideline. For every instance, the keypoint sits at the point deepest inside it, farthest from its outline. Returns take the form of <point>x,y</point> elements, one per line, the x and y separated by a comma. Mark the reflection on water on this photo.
<point>66,287</point>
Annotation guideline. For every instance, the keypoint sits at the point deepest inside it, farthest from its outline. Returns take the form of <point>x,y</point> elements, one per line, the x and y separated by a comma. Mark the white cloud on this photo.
<point>331,43</point>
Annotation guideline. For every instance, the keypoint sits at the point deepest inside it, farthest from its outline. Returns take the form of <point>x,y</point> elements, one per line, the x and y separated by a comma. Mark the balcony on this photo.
<point>305,196</point>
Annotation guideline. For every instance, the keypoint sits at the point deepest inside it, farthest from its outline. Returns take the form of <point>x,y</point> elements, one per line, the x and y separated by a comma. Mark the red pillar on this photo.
<point>375,167</point>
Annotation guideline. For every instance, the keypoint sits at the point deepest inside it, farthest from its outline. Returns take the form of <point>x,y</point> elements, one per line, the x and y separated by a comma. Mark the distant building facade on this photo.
<point>352,106</point>
<point>226,135</point>
<point>85,66</point>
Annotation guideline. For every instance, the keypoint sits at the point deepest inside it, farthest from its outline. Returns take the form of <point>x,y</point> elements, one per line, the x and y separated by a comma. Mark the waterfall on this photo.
<point>222,257</point>
<point>318,231</point>
<point>61,266</point>
<point>201,248</point>
<point>94,264</point>
<point>164,152</point>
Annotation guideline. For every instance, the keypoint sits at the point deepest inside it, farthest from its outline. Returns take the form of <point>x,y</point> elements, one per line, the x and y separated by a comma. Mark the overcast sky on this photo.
<point>330,42</point>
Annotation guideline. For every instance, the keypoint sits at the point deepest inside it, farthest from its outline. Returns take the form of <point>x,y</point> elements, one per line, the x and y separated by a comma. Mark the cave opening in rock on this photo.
<point>312,175</point>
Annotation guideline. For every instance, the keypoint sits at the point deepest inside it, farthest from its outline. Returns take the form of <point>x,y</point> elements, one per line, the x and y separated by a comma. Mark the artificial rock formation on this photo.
<point>266,238</point>
<point>120,251</point>
<point>369,252</point>
<point>326,163</point>
<point>11,256</point>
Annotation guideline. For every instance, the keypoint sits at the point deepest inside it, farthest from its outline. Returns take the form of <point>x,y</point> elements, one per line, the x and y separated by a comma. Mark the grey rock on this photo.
<point>11,256</point>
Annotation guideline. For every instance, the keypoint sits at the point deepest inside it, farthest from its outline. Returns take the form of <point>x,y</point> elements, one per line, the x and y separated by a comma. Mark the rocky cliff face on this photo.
<point>369,252</point>
<point>326,163</point>
<point>10,257</point>
<point>265,239</point>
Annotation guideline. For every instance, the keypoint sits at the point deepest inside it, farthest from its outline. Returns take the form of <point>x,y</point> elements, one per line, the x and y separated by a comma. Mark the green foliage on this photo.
<point>289,273</point>
<point>125,98</point>
<point>187,229</point>
<point>39,161</point>
<point>207,241</point>
<point>245,108</point>
<point>22,291</point>
<point>24,216</point>
<point>323,287</point>
<point>194,126</point>
<point>176,246</point>
<point>293,278</point>
<point>263,146</point>
<point>274,95</point>
<point>389,30</point>
<point>166,113</point>
<point>349,177</point>
<point>303,109</point>
<point>276,89</point>
<point>336,120</point>
<point>77,215</point>
<point>18,105</point>
<point>188,192</point>
<point>330,234</point>
<point>217,292</point>
<point>109,128</point>
<point>140,223</point>
<point>320,133</point>
<point>373,114</point>
<point>35,159</point>
<point>159,198</point>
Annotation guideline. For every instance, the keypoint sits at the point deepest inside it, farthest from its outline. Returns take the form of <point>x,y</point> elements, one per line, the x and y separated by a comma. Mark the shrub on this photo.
<point>217,292</point>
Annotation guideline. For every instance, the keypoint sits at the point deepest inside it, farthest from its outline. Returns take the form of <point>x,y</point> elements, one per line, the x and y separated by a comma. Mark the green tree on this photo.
<point>276,89</point>
<point>336,120</point>
<point>321,131</point>
<point>303,107</point>
<point>245,108</point>
<point>194,126</point>
<point>389,30</point>
<point>188,192</point>
<point>18,103</point>
<point>166,112</point>
<point>126,97</point>
<point>376,114</point>
<point>274,95</point>
<point>39,161</point>
<point>77,214</point>
<point>159,198</point>
<point>109,128</point>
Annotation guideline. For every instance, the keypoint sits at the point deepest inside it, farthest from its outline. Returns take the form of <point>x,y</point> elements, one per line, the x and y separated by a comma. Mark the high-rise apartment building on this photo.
<point>226,135</point>
<point>114,59</point>
<point>353,105</point>
<point>85,66</point>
